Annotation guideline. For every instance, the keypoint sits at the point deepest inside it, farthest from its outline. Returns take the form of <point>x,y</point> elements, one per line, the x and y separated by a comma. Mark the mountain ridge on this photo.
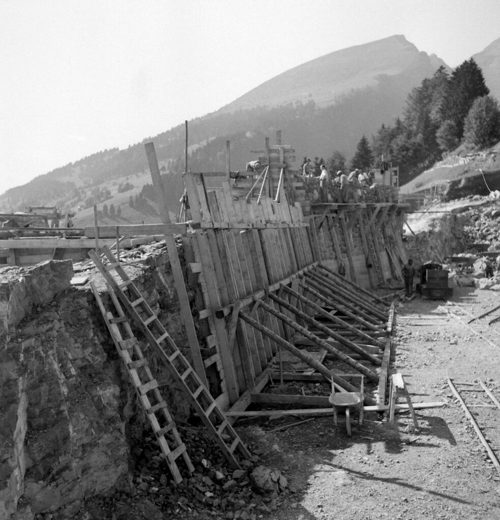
<point>314,126</point>
<point>351,68</point>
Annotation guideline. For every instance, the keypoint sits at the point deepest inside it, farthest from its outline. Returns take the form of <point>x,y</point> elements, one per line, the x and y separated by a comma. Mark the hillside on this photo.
<point>460,174</point>
<point>489,61</point>
<point>355,91</point>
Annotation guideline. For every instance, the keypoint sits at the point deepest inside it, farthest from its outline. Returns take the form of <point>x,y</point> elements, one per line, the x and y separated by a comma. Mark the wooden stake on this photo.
<point>180,287</point>
<point>96,228</point>
<point>185,147</point>
<point>228,159</point>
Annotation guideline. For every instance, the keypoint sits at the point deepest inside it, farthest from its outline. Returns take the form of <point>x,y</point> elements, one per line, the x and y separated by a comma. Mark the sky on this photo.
<point>80,76</point>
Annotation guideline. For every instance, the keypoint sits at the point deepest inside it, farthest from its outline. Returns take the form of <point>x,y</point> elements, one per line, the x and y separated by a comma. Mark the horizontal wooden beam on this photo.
<point>135,230</point>
<point>252,225</point>
<point>329,411</point>
<point>246,397</point>
<point>53,243</point>
<point>286,399</point>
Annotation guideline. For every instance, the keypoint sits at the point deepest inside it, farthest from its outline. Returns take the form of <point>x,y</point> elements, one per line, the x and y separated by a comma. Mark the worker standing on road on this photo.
<point>408,272</point>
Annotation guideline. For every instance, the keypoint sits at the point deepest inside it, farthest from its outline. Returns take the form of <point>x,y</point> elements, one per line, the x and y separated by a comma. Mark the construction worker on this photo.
<point>306,167</point>
<point>408,273</point>
<point>324,180</point>
<point>253,166</point>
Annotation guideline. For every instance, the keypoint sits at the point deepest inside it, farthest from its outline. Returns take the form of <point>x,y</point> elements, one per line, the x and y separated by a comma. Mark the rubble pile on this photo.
<point>465,238</point>
<point>213,491</point>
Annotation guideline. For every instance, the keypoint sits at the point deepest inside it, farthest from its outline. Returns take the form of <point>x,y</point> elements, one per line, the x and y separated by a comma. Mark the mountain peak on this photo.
<point>326,79</point>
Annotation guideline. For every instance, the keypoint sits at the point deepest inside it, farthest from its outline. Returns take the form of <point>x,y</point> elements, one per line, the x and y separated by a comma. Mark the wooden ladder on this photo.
<point>182,371</point>
<point>145,384</point>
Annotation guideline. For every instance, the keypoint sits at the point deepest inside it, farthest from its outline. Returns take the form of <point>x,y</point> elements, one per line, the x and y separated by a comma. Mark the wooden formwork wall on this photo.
<point>242,250</point>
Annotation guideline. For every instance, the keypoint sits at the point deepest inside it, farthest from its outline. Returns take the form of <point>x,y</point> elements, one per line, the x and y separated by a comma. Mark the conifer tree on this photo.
<point>363,157</point>
<point>466,84</point>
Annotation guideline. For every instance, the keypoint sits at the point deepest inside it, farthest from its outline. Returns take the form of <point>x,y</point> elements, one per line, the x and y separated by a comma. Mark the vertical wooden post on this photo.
<point>180,287</point>
<point>96,228</point>
<point>118,244</point>
<point>185,147</point>
<point>228,159</point>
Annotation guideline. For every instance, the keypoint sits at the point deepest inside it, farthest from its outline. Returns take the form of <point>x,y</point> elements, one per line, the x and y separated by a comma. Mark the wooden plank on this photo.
<point>212,294</point>
<point>193,199</point>
<point>199,185</point>
<point>330,225</point>
<point>219,272</point>
<point>328,411</point>
<point>180,287</point>
<point>246,355</point>
<point>384,373</point>
<point>366,252</point>
<point>348,244</point>
<point>318,401</point>
<point>226,266</point>
<point>135,230</point>
<point>51,243</point>
<point>214,207</point>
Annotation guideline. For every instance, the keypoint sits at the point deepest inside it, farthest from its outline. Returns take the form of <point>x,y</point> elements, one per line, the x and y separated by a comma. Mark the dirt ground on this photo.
<point>384,471</point>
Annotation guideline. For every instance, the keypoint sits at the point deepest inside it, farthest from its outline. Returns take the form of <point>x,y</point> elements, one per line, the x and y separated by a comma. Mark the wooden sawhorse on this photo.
<point>397,388</point>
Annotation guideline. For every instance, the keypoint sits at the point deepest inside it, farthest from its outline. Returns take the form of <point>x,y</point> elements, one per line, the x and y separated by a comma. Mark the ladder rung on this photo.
<point>131,365</point>
<point>127,344</point>
<point>234,444</point>
<point>210,409</point>
<point>224,424</point>
<point>156,407</point>
<point>198,391</point>
<point>137,302</point>
<point>124,284</point>
<point>149,320</point>
<point>162,431</point>
<point>174,454</point>
<point>118,319</point>
<point>174,355</point>
<point>144,389</point>
<point>162,337</point>
<point>186,373</point>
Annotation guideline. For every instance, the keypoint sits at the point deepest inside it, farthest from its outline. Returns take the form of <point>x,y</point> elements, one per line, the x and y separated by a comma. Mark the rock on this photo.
<point>266,480</point>
<point>238,474</point>
<point>21,289</point>
<point>230,484</point>
<point>219,476</point>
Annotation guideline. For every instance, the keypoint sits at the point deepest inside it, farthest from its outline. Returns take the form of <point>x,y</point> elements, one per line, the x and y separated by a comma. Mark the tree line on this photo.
<point>444,112</point>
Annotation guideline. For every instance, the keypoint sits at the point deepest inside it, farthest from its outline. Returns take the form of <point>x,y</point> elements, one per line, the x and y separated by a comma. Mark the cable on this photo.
<point>486,184</point>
